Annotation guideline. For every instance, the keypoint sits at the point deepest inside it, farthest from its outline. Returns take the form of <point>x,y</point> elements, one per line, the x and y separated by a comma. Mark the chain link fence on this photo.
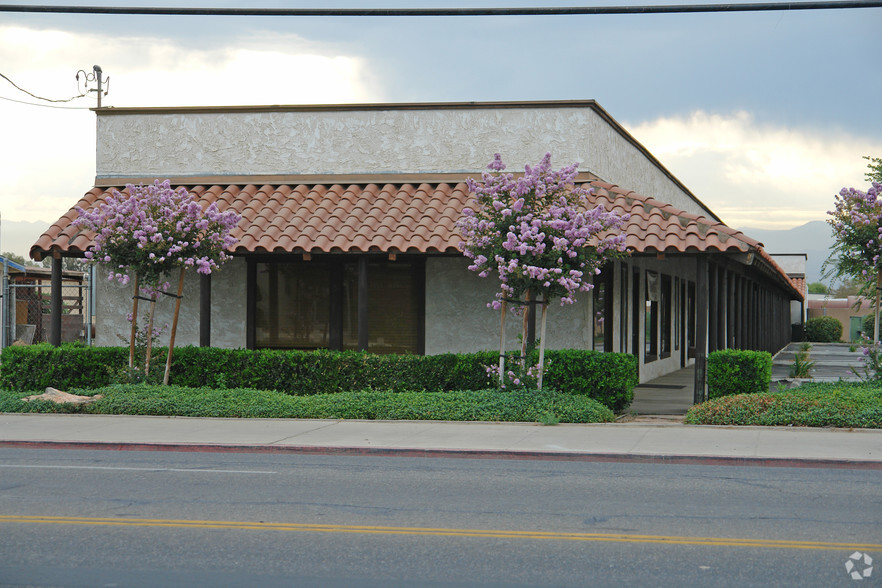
<point>27,303</point>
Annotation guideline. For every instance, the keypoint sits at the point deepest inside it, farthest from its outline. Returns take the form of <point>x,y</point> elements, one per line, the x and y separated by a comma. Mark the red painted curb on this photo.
<point>457,454</point>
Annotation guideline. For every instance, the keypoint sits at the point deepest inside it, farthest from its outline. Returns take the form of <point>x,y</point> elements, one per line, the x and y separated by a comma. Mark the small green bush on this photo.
<point>609,378</point>
<point>466,405</point>
<point>737,371</point>
<point>814,404</point>
<point>823,329</point>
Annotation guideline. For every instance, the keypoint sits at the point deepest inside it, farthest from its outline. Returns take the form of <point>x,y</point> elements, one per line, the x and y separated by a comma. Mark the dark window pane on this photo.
<point>393,308</point>
<point>291,305</point>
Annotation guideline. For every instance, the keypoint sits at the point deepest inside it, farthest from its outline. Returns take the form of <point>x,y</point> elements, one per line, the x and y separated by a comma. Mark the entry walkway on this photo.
<point>670,394</point>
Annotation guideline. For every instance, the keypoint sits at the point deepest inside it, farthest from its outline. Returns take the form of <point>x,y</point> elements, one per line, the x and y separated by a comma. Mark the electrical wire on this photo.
<point>17,87</point>
<point>46,105</point>
<point>524,11</point>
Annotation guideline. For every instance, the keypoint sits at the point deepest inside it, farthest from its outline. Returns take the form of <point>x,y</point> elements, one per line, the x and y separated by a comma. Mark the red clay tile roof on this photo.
<point>403,217</point>
<point>801,285</point>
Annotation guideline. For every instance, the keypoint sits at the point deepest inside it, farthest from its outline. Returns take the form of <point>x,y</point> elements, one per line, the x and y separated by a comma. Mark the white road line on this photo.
<point>115,468</point>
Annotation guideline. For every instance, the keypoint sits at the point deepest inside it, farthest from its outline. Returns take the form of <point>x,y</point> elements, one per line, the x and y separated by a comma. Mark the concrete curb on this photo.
<point>457,454</point>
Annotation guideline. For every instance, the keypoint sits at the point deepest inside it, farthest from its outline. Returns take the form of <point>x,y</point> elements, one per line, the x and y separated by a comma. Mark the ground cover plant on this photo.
<point>813,404</point>
<point>546,406</point>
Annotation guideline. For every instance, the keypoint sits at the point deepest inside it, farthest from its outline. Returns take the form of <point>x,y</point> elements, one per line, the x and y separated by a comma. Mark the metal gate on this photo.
<point>26,308</point>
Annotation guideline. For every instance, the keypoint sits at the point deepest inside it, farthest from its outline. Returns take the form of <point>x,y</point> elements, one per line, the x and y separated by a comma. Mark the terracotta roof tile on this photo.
<point>402,217</point>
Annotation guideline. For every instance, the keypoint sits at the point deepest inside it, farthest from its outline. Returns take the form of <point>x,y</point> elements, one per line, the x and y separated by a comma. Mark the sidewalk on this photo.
<point>635,441</point>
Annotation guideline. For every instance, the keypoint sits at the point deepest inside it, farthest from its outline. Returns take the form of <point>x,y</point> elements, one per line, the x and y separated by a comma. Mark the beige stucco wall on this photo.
<point>114,303</point>
<point>143,143</point>
<point>458,320</point>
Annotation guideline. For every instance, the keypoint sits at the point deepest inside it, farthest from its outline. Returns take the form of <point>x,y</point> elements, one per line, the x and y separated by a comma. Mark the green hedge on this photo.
<point>609,378</point>
<point>823,329</point>
<point>73,365</point>
<point>737,371</point>
<point>468,405</point>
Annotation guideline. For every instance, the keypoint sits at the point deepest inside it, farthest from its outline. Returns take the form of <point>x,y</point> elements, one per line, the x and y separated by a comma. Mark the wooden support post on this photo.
<point>701,321</point>
<point>711,292</point>
<point>174,330</point>
<point>55,302</point>
<point>335,312</point>
<point>205,310</point>
<point>363,303</point>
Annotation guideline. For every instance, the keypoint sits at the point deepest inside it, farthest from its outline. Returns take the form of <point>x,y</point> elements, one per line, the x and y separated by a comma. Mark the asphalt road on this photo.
<point>127,518</point>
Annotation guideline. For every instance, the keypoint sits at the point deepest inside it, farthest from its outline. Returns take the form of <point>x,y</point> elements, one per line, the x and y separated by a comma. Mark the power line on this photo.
<point>523,11</point>
<point>45,105</point>
<point>32,95</point>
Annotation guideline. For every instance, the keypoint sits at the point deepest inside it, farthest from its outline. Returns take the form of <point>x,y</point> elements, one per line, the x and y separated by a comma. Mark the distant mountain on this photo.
<point>18,236</point>
<point>813,238</point>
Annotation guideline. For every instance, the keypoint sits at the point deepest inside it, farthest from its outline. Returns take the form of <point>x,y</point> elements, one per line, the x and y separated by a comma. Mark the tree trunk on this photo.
<point>134,325</point>
<point>174,329</point>
<point>502,346</point>
<point>542,343</point>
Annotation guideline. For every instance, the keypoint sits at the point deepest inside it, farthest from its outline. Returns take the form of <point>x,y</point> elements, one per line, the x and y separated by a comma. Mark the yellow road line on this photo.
<point>489,533</point>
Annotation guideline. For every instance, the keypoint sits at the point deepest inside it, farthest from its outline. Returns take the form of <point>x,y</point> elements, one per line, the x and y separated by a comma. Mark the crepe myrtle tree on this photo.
<point>540,235</point>
<point>857,250</point>
<point>146,232</point>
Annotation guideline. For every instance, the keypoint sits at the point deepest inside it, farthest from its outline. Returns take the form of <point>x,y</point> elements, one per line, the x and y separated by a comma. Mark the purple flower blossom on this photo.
<point>538,232</point>
<point>150,230</point>
<point>857,225</point>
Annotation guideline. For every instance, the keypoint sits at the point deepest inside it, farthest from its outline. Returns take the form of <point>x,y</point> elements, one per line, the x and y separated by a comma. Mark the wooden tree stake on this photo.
<point>502,346</point>
<point>542,344</point>
<point>134,325</point>
<point>149,335</point>
<point>527,305</point>
<point>174,329</point>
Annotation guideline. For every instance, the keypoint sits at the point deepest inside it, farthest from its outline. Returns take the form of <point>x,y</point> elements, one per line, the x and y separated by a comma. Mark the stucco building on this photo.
<point>348,237</point>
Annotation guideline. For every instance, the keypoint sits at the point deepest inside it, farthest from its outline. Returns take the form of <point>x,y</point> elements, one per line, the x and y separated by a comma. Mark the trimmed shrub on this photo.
<point>72,365</point>
<point>738,371</point>
<point>823,329</point>
<point>609,378</point>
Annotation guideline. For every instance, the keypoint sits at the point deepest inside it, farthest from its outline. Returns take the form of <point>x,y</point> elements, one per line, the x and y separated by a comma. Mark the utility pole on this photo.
<point>97,77</point>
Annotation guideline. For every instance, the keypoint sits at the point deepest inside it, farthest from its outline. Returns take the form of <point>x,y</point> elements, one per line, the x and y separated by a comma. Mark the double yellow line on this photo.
<point>429,532</point>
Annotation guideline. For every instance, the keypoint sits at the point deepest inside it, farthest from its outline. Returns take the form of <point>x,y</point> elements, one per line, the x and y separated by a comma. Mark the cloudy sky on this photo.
<point>764,116</point>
